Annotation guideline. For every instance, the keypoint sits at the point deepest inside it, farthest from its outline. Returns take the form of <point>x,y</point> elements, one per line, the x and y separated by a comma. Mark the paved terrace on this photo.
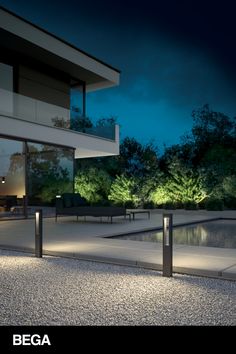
<point>88,240</point>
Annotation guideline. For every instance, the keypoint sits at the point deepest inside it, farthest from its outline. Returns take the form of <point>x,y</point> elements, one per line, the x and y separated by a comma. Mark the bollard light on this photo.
<point>39,233</point>
<point>167,245</point>
<point>25,206</point>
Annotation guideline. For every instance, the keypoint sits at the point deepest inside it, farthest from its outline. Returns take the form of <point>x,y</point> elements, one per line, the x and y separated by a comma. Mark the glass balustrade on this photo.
<point>22,107</point>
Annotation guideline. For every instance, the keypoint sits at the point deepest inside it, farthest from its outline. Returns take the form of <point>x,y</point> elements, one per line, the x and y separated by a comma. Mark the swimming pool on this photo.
<point>217,233</point>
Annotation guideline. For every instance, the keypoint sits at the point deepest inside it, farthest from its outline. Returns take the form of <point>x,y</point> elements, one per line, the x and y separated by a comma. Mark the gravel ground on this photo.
<point>59,291</point>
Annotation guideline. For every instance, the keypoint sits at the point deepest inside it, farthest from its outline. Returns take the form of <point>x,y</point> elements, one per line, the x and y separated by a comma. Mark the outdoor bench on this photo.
<point>74,204</point>
<point>134,212</point>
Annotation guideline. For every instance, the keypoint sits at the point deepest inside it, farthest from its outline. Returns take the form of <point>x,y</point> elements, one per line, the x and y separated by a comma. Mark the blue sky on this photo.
<point>174,57</point>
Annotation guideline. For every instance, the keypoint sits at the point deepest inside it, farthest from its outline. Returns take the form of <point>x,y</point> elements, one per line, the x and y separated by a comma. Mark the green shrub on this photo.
<point>93,184</point>
<point>170,205</point>
<point>130,204</point>
<point>229,186</point>
<point>159,196</point>
<point>230,203</point>
<point>49,191</point>
<point>124,192</point>
<point>182,187</point>
<point>149,205</point>
<point>214,204</point>
<point>190,205</point>
<point>185,185</point>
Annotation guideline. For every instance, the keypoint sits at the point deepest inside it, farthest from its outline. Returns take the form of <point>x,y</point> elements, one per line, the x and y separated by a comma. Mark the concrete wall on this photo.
<point>43,87</point>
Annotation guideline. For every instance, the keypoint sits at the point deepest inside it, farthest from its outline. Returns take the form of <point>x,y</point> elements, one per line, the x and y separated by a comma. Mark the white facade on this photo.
<point>28,113</point>
<point>75,61</point>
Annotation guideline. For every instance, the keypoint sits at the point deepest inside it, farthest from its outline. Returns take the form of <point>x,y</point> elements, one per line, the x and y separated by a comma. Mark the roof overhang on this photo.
<point>29,40</point>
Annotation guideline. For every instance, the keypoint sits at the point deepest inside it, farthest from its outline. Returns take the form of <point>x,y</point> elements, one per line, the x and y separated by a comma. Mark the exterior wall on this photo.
<point>37,151</point>
<point>41,45</point>
<point>43,87</point>
<point>85,145</point>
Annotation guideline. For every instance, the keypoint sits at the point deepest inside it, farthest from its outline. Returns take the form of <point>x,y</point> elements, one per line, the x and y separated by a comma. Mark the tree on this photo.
<point>78,122</point>
<point>211,129</point>
<point>47,177</point>
<point>103,121</point>
<point>93,184</point>
<point>229,186</point>
<point>190,172</point>
<point>183,152</point>
<point>124,191</point>
<point>136,159</point>
<point>185,185</point>
<point>160,196</point>
<point>61,122</point>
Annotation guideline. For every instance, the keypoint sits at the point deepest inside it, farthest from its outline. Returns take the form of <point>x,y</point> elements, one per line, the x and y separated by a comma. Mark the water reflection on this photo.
<point>221,233</point>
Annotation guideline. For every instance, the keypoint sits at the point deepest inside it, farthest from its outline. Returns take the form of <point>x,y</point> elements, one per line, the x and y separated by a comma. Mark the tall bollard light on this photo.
<point>39,233</point>
<point>167,245</point>
<point>25,206</point>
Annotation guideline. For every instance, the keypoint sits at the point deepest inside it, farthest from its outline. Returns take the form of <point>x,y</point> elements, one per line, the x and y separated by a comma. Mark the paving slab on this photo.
<point>229,273</point>
<point>90,240</point>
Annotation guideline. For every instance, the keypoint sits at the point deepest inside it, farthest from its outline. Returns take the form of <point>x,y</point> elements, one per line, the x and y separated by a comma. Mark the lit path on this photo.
<point>85,240</point>
<point>59,291</point>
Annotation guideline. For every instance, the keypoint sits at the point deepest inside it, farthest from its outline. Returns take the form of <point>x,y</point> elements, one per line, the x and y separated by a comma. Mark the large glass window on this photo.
<point>12,173</point>
<point>50,172</point>
<point>6,77</point>
<point>37,170</point>
<point>78,119</point>
<point>6,88</point>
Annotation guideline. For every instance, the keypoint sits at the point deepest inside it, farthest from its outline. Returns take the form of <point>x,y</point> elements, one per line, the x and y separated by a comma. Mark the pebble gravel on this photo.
<point>60,291</point>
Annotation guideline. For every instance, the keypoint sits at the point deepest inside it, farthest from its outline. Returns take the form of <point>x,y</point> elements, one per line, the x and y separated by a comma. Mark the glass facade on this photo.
<point>50,172</point>
<point>78,119</point>
<point>77,98</point>
<point>6,89</point>
<point>35,170</point>
<point>6,77</point>
<point>12,173</point>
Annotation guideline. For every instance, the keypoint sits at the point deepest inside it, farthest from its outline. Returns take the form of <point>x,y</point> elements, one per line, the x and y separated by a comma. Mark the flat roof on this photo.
<point>28,36</point>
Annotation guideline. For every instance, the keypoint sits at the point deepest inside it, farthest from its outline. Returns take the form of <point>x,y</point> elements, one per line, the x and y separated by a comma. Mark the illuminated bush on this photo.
<point>181,186</point>
<point>124,191</point>
<point>93,184</point>
<point>160,196</point>
<point>185,185</point>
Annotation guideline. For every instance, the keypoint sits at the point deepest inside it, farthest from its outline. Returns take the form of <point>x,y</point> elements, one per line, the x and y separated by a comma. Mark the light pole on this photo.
<point>39,233</point>
<point>167,245</point>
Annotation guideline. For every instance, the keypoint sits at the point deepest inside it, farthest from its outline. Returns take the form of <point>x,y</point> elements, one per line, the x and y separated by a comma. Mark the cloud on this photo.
<point>177,54</point>
<point>157,68</point>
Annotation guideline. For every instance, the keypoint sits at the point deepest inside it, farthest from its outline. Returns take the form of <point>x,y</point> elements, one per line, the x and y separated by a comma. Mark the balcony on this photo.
<point>28,109</point>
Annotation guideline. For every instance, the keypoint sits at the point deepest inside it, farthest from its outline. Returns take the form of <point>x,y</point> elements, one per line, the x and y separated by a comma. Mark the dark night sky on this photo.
<point>174,56</point>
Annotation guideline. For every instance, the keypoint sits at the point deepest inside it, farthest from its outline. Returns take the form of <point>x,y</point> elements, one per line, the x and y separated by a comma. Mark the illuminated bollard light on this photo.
<point>39,233</point>
<point>167,245</point>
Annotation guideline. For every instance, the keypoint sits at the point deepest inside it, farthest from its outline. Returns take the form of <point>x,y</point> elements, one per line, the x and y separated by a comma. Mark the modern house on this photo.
<point>43,86</point>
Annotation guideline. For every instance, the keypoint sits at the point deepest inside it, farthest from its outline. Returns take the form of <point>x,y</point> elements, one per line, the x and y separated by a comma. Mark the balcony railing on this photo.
<point>36,111</point>
<point>107,132</point>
